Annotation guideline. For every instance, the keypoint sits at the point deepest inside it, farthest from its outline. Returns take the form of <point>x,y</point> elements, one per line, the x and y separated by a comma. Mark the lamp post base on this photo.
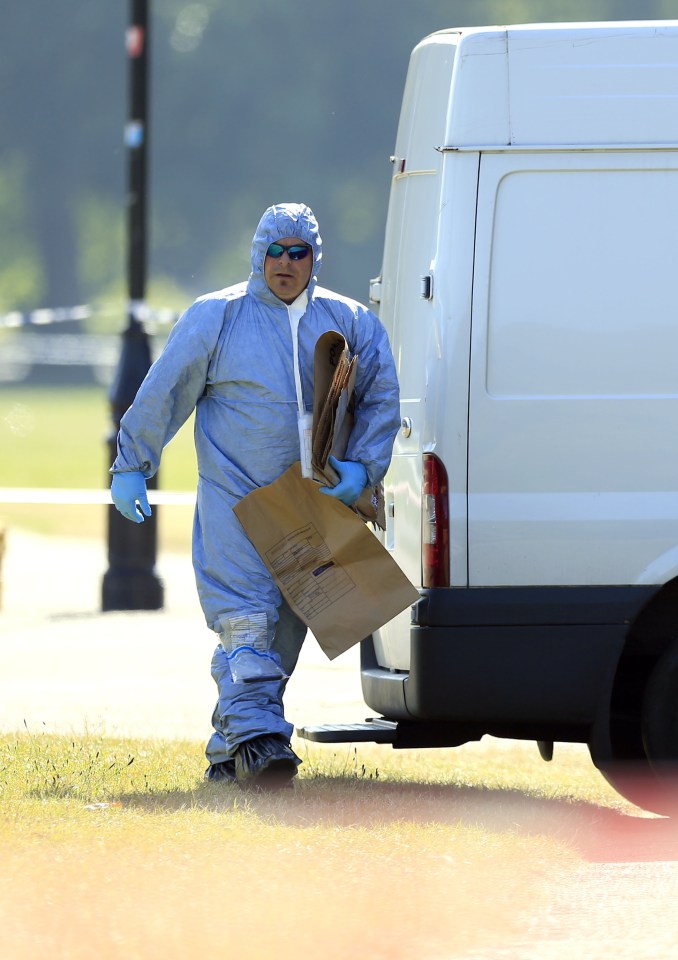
<point>131,590</point>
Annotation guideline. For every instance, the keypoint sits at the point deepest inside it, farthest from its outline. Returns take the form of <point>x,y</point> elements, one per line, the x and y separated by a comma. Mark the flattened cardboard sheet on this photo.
<point>334,381</point>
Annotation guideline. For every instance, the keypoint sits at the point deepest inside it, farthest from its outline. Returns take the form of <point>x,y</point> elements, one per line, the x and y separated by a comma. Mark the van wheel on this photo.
<point>627,769</point>
<point>660,715</point>
<point>638,782</point>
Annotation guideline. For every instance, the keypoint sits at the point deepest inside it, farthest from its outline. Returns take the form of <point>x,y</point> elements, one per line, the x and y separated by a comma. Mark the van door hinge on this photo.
<point>375,290</point>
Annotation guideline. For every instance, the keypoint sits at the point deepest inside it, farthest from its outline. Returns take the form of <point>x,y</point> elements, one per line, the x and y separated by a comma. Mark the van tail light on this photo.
<point>435,524</point>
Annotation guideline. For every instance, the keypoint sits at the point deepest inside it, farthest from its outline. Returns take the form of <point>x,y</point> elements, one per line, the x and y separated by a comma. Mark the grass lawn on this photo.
<point>58,437</point>
<point>119,849</point>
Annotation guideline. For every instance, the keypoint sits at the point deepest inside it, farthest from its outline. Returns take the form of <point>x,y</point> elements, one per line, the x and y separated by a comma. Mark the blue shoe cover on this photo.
<point>222,772</point>
<point>267,762</point>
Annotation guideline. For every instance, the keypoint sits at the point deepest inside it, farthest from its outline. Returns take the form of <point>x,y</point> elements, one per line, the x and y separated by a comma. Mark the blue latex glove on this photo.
<point>352,481</point>
<point>128,489</point>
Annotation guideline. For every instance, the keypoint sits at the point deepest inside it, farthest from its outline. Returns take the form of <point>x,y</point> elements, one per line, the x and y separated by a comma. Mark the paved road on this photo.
<point>67,667</point>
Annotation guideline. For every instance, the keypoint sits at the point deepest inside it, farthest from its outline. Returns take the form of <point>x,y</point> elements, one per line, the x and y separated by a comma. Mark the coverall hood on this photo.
<point>283,220</point>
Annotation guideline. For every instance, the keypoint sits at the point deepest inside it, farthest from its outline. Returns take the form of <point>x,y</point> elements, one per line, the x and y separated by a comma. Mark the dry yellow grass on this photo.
<point>118,849</point>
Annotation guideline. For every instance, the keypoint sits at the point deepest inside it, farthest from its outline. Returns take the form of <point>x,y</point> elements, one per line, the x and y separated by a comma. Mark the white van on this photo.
<point>530,290</point>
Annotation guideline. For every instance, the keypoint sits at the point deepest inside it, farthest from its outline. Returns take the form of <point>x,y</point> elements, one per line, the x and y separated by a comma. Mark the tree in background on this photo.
<point>251,103</point>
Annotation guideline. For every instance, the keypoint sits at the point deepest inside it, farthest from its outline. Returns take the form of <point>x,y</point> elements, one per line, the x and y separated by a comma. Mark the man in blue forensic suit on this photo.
<point>243,359</point>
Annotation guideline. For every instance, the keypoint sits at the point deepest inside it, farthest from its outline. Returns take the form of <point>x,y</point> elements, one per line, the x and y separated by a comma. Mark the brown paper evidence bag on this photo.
<point>330,567</point>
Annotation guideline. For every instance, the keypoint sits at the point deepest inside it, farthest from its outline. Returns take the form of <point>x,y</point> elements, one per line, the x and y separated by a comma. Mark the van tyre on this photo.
<point>660,715</point>
<point>641,784</point>
<point>643,762</point>
<point>628,771</point>
<point>618,752</point>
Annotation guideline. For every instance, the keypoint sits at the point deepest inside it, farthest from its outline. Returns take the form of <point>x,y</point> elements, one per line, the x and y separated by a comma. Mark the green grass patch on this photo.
<point>98,768</point>
<point>58,437</point>
<point>53,437</point>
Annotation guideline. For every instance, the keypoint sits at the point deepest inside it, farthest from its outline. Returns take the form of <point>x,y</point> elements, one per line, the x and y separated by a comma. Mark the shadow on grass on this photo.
<point>598,833</point>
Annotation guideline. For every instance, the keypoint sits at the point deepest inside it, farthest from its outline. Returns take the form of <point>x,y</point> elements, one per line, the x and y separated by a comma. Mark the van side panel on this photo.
<point>433,364</point>
<point>572,472</point>
<point>408,254</point>
<point>428,235</point>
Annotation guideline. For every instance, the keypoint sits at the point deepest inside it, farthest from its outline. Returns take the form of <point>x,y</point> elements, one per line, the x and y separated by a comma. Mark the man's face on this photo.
<point>285,275</point>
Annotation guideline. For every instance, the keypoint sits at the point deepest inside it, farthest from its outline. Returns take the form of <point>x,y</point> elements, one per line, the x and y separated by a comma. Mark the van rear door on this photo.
<point>573,469</point>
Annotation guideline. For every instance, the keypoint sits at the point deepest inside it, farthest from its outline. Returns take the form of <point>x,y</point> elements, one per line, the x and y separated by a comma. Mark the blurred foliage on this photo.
<point>250,104</point>
<point>21,278</point>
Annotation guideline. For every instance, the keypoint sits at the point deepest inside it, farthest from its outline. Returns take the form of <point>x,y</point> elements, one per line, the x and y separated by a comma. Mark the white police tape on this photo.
<point>74,497</point>
<point>48,315</point>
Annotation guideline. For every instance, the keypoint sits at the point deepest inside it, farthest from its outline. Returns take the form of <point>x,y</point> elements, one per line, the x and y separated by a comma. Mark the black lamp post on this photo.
<point>131,583</point>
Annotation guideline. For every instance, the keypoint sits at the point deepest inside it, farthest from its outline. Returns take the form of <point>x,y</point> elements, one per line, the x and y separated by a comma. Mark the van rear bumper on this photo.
<point>512,661</point>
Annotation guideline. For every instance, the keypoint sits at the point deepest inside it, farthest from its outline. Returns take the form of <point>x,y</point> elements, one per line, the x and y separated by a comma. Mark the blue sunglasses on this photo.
<point>295,252</point>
